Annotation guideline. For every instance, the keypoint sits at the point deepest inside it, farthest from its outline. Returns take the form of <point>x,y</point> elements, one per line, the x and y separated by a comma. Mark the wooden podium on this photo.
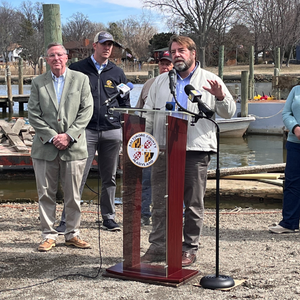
<point>170,271</point>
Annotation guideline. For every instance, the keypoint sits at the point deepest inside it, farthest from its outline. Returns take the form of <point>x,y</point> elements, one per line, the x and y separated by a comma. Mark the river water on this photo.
<point>250,150</point>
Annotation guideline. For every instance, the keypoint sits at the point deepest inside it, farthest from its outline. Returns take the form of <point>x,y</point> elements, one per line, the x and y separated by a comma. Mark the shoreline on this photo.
<point>262,73</point>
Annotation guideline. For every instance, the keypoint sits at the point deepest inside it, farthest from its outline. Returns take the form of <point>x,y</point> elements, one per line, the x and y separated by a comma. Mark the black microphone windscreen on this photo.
<point>169,106</point>
<point>172,72</point>
<point>188,88</point>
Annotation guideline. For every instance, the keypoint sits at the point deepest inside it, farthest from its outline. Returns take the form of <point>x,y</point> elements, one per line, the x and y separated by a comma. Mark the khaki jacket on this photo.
<point>71,116</point>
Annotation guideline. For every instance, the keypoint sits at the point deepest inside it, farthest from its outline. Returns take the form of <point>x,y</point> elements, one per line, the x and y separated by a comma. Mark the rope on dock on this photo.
<point>258,117</point>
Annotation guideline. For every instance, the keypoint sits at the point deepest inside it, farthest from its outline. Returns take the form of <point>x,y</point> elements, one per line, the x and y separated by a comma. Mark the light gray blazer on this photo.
<point>71,116</point>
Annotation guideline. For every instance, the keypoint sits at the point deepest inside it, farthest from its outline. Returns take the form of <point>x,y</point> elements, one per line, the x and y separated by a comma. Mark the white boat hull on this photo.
<point>268,116</point>
<point>234,127</point>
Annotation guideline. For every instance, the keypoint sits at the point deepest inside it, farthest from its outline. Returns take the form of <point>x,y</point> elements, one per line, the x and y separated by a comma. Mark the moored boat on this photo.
<point>234,127</point>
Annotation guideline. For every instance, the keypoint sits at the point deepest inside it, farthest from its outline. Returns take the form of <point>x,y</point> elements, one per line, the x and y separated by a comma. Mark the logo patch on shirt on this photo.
<point>109,84</point>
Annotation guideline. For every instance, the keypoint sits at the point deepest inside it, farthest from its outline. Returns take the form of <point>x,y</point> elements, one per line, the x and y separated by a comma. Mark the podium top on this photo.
<point>141,111</point>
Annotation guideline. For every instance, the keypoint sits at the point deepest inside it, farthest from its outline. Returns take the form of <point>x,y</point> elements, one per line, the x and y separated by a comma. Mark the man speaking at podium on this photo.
<point>201,142</point>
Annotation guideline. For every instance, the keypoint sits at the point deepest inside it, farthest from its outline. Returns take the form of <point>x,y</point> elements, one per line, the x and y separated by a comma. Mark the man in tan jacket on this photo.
<point>59,108</point>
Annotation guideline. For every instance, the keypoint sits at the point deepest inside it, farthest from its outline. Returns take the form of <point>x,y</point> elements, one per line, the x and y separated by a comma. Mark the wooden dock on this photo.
<point>21,99</point>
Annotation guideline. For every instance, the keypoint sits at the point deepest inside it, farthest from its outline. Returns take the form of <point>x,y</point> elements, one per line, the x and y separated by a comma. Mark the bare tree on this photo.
<point>9,25</point>
<point>199,17</point>
<point>31,37</point>
<point>79,27</point>
<point>275,23</point>
<point>137,32</point>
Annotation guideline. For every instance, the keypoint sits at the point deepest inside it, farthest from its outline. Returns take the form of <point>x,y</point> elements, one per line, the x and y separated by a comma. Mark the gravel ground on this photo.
<point>267,264</point>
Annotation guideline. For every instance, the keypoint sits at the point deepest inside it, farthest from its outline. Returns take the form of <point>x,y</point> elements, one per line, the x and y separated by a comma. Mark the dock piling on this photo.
<point>9,90</point>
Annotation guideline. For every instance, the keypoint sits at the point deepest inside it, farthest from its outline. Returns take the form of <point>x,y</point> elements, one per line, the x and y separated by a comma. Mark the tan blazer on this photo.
<point>71,116</point>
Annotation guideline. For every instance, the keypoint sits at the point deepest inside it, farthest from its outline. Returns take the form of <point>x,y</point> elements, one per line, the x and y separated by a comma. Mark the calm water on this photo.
<point>238,152</point>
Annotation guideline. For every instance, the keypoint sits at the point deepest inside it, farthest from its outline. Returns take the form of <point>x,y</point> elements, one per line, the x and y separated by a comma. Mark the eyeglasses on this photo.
<point>53,55</point>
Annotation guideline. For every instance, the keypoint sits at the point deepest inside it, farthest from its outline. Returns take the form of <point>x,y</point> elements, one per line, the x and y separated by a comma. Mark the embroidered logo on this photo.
<point>109,84</point>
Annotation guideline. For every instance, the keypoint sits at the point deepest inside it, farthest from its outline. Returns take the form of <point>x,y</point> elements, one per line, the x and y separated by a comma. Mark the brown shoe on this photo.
<point>187,258</point>
<point>77,242</point>
<point>46,245</point>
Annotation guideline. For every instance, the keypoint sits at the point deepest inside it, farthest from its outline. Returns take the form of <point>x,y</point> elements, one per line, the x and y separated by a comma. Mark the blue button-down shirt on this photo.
<point>182,97</point>
<point>59,83</point>
<point>97,65</point>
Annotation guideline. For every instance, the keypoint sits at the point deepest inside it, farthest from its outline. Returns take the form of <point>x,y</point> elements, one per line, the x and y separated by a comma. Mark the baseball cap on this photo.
<point>103,37</point>
<point>165,55</point>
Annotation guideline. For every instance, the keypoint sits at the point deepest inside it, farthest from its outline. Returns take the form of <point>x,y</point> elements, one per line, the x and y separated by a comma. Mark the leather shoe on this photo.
<point>77,242</point>
<point>46,245</point>
<point>187,258</point>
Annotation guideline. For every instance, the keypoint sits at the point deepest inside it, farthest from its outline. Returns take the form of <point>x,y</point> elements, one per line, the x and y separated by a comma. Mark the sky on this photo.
<point>103,11</point>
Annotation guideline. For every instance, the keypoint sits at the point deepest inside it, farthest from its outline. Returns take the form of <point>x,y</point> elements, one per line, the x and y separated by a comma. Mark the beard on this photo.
<point>182,66</point>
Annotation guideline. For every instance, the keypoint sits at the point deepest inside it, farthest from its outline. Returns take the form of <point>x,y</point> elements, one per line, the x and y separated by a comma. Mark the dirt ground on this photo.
<point>263,265</point>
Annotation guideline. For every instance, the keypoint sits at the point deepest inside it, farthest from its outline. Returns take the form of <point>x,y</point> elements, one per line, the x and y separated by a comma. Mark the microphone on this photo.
<point>173,81</point>
<point>195,96</point>
<point>170,106</point>
<point>123,90</point>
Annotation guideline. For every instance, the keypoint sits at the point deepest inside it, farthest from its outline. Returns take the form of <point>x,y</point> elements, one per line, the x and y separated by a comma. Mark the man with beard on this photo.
<point>201,142</point>
<point>164,65</point>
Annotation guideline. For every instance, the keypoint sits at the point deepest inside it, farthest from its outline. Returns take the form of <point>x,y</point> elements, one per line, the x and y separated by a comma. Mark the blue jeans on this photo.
<point>291,194</point>
<point>146,192</point>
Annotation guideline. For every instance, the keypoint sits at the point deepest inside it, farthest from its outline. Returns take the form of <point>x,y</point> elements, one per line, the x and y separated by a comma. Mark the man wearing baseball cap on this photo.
<point>104,133</point>
<point>164,65</point>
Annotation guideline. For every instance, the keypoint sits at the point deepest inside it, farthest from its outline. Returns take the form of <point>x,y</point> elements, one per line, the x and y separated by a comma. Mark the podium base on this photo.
<point>142,274</point>
<point>213,282</point>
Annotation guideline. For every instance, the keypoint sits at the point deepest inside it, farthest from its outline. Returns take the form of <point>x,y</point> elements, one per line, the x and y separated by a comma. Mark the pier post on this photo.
<point>41,65</point>
<point>9,90</point>
<point>150,74</point>
<point>251,73</point>
<point>21,91</point>
<point>156,73</point>
<point>221,61</point>
<point>52,25</point>
<point>277,74</point>
<point>20,65</point>
<point>244,93</point>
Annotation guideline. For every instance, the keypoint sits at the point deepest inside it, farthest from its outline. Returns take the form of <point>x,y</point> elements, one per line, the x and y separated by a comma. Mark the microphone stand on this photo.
<point>215,281</point>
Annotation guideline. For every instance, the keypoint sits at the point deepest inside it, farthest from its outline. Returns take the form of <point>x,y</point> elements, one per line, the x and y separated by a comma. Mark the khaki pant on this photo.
<point>47,174</point>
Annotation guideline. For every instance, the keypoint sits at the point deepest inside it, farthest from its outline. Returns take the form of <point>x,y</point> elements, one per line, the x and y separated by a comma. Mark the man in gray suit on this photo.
<point>59,108</point>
